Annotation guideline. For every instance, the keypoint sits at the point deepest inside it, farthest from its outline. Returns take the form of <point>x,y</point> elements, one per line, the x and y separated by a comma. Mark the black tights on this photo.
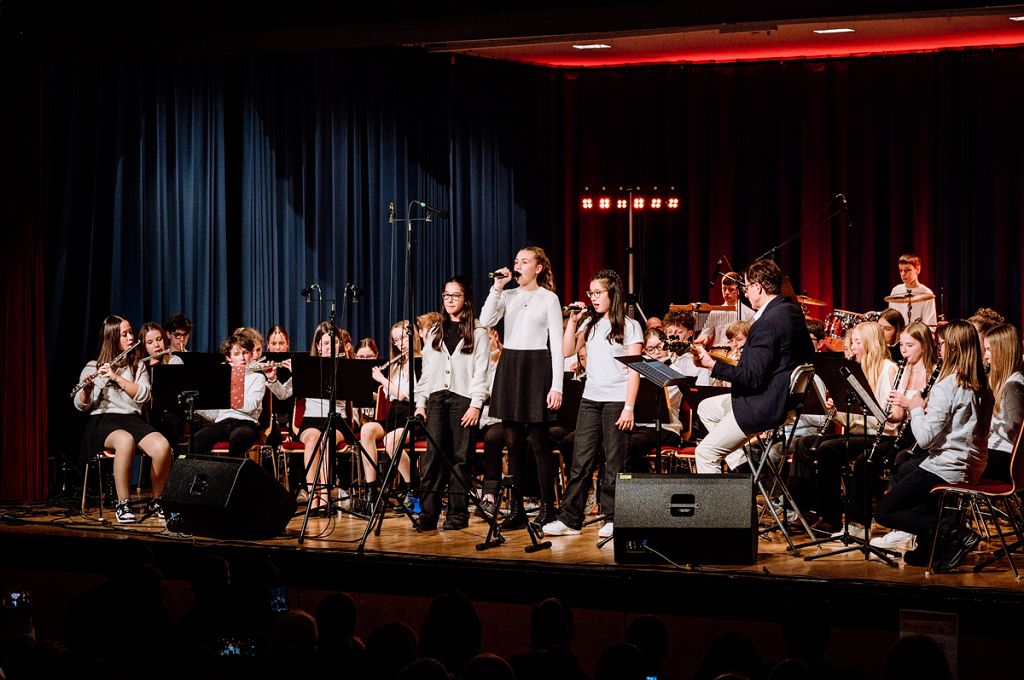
<point>519,437</point>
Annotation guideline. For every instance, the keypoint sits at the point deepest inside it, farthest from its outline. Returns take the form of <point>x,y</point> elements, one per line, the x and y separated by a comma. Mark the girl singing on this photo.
<point>451,393</point>
<point>606,410</point>
<point>528,381</point>
<point>113,399</point>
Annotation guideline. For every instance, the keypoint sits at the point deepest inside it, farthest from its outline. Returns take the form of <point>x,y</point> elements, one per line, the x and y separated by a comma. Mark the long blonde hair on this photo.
<point>875,350</point>
<point>963,357</point>
<point>1004,345</point>
<point>929,350</point>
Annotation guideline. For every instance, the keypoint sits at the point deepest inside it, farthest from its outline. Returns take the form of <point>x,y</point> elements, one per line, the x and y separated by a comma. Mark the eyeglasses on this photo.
<point>594,294</point>
<point>452,296</point>
<point>653,348</point>
<point>180,334</point>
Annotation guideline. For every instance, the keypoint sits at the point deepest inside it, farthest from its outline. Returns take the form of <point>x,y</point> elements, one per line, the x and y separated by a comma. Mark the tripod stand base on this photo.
<point>853,544</point>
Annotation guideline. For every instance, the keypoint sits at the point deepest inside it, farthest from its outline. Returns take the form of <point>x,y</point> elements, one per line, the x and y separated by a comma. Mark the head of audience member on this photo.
<point>336,618</point>
<point>488,667</point>
<point>654,322</point>
<point>892,324</point>
<point>154,340</point>
<point>551,625</point>
<point>731,288</point>
<point>654,344</point>
<point>736,335</point>
<point>367,349</point>
<point>730,652</point>
<point>179,328</point>
<point>985,319</point>
<point>277,339</point>
<point>650,636</point>
<point>297,629</point>
<point>238,349</point>
<point>909,266</point>
<point>679,326</point>
<point>620,661</point>
<point>761,282</point>
<point>424,669</point>
<point>451,632</point>
<point>389,648</point>
<point>916,656</point>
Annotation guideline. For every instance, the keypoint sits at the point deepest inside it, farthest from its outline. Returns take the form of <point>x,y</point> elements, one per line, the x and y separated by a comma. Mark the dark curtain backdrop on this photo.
<point>220,186</point>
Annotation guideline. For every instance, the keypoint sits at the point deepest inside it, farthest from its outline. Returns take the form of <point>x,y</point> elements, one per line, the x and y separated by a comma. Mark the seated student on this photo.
<point>237,425</point>
<point>644,440</point>
<point>113,395</point>
<point>396,387</point>
<point>491,431</point>
<point>155,342</point>
<point>679,329</point>
<point>179,328</point>
<point>314,418</point>
<point>985,319</point>
<point>1006,378</point>
<point>736,336</point>
<point>279,342</point>
<point>892,325</point>
<point>954,430</point>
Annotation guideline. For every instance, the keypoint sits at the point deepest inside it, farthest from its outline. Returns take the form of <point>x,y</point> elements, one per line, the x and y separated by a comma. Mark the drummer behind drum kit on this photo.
<point>840,321</point>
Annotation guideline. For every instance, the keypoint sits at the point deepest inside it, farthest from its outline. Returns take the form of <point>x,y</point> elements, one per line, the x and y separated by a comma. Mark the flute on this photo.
<point>114,363</point>
<point>157,355</point>
<point>264,365</point>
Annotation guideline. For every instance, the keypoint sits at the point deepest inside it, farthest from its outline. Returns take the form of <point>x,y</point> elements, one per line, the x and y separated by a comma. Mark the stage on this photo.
<point>401,569</point>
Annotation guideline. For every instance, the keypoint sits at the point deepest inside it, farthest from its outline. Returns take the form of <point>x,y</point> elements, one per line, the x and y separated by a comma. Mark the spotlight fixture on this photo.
<point>829,31</point>
<point>592,46</point>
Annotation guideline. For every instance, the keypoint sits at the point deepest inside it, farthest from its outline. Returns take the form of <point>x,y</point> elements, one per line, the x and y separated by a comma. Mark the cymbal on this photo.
<point>814,302</point>
<point>909,298</point>
<point>701,307</point>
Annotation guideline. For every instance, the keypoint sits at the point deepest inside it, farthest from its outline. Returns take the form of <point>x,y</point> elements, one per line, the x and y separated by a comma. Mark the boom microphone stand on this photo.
<point>414,424</point>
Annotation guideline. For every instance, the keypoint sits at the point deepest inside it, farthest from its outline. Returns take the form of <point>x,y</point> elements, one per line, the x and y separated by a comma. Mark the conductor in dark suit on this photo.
<point>778,343</point>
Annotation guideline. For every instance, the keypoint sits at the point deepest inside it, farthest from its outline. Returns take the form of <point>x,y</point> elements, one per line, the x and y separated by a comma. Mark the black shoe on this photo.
<point>156,508</point>
<point>917,557</point>
<point>455,522</point>
<point>425,524</point>
<point>516,517</point>
<point>961,541</point>
<point>486,510</point>
<point>547,513</point>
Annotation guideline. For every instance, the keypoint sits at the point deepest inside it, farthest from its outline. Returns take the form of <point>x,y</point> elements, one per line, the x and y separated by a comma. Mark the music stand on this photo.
<point>846,382</point>
<point>350,381</point>
<point>202,383</point>
<point>660,376</point>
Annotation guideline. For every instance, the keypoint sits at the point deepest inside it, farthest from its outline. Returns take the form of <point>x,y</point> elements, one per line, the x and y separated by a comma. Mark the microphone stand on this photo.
<point>412,423</point>
<point>813,222</point>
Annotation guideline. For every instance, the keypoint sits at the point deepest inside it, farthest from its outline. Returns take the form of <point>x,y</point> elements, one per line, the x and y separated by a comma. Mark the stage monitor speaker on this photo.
<point>225,498</point>
<point>690,519</point>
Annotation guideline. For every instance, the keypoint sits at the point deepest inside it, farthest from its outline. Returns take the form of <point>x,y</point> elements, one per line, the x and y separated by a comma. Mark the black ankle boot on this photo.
<point>546,514</point>
<point>516,517</point>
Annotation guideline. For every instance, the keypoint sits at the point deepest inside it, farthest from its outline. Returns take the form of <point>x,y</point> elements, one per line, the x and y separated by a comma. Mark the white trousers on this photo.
<point>725,439</point>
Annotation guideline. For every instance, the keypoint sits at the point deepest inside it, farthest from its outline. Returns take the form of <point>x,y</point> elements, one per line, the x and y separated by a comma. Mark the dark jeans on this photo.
<point>815,478</point>
<point>910,506</point>
<point>595,426</point>
<point>238,433</point>
<point>444,413</point>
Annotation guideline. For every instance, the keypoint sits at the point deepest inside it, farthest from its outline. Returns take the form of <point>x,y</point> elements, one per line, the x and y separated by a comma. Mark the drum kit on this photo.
<point>840,321</point>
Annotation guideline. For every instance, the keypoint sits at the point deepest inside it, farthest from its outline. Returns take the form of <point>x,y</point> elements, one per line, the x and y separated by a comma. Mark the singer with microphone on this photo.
<point>528,382</point>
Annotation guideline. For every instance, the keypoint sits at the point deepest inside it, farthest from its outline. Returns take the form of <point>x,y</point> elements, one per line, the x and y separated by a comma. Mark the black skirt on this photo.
<point>398,413</point>
<point>99,427</point>
<point>521,385</point>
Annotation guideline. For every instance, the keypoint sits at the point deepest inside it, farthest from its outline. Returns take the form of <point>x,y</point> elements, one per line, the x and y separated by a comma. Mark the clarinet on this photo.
<point>924,395</point>
<point>820,434</point>
<point>888,411</point>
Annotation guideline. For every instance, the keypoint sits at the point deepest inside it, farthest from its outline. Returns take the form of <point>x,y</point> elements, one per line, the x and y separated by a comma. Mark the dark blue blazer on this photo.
<point>778,343</point>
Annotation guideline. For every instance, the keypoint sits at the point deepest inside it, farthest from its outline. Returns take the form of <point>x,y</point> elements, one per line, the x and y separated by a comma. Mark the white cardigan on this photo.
<point>464,374</point>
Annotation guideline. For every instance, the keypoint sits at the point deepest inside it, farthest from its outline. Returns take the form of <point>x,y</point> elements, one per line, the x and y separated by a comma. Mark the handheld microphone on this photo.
<point>431,209</point>
<point>573,308</point>
<point>497,274</point>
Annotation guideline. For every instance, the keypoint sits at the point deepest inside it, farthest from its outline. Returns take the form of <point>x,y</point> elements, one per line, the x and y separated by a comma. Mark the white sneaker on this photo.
<point>606,530</point>
<point>896,540</point>
<point>556,528</point>
<point>856,530</point>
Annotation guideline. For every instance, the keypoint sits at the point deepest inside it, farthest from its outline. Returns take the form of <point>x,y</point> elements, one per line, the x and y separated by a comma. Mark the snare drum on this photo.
<point>840,321</point>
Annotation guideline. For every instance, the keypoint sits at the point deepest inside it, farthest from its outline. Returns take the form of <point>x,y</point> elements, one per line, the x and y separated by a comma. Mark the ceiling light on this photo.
<point>592,46</point>
<point>825,31</point>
